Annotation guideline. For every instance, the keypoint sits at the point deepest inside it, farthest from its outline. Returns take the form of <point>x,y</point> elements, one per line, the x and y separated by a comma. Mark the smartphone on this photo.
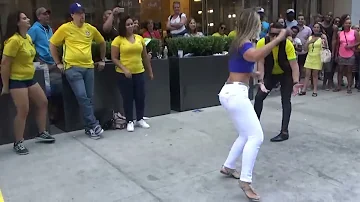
<point>318,35</point>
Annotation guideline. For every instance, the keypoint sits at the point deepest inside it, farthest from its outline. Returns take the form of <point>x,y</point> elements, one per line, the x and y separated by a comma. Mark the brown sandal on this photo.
<point>248,188</point>
<point>230,172</point>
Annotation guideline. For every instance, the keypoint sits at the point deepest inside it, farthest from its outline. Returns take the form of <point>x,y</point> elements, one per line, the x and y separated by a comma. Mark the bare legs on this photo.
<point>21,100</point>
<point>21,97</point>
<point>37,96</point>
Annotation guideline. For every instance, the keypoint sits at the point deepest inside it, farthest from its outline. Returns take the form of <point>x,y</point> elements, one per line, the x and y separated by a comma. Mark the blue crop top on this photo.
<point>238,64</point>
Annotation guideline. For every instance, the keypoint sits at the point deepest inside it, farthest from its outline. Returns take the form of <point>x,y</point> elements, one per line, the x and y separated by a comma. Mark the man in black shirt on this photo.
<point>110,18</point>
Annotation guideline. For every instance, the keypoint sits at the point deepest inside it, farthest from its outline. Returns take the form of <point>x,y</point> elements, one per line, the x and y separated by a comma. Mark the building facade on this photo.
<point>208,13</point>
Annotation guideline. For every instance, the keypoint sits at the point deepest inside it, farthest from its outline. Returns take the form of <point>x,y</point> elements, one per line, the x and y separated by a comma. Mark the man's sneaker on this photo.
<point>20,148</point>
<point>45,137</point>
<point>91,133</point>
<point>142,124</point>
<point>98,130</point>
<point>130,126</point>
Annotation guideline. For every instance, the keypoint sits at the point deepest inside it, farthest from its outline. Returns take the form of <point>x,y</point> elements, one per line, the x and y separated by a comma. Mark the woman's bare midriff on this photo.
<point>239,77</point>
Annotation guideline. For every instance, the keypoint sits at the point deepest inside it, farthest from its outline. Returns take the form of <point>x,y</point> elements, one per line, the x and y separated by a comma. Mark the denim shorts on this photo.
<point>13,84</point>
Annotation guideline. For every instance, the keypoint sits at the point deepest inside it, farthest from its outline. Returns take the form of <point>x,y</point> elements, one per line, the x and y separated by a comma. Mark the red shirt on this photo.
<point>155,34</point>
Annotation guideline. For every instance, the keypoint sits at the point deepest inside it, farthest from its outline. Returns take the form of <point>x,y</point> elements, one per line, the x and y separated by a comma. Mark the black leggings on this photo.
<point>131,90</point>
<point>286,89</point>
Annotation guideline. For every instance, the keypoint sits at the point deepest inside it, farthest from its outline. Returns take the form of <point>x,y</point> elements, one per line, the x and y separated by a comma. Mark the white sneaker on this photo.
<point>130,127</point>
<point>142,124</point>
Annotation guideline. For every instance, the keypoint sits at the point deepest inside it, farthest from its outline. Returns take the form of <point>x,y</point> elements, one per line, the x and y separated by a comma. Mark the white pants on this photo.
<point>234,98</point>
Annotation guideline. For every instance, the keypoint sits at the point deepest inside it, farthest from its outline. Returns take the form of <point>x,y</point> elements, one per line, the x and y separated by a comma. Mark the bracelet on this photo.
<point>295,83</point>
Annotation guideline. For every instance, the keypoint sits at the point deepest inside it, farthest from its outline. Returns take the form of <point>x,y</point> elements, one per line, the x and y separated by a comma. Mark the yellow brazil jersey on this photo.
<point>130,53</point>
<point>217,34</point>
<point>232,34</point>
<point>23,52</point>
<point>290,53</point>
<point>76,43</point>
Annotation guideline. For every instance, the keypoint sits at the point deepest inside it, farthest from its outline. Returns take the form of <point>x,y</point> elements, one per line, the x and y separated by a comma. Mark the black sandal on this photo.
<point>302,93</point>
<point>349,91</point>
<point>314,95</point>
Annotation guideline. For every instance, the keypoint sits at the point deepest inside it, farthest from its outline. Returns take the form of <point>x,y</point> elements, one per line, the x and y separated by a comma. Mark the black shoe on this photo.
<point>45,137</point>
<point>281,137</point>
<point>20,148</point>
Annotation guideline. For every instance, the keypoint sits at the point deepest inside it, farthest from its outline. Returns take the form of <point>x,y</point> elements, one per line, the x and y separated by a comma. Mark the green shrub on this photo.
<point>228,41</point>
<point>198,46</point>
<point>154,46</point>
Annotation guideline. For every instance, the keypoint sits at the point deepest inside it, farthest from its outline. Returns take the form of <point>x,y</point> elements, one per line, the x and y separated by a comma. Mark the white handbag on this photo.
<point>325,52</point>
<point>325,55</point>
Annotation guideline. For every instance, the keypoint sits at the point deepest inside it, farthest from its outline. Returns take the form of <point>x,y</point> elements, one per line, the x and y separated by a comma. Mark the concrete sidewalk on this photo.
<point>179,158</point>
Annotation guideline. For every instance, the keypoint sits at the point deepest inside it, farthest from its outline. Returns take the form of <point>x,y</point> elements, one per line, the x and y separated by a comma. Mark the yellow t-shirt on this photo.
<point>217,34</point>
<point>130,53</point>
<point>290,53</point>
<point>232,34</point>
<point>23,52</point>
<point>77,43</point>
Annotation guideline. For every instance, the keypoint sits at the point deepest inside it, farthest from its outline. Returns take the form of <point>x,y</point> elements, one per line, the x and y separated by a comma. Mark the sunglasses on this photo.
<point>273,34</point>
<point>223,28</point>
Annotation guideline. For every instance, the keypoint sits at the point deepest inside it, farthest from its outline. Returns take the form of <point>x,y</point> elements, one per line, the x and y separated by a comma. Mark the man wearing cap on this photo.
<point>264,25</point>
<point>40,33</point>
<point>290,19</point>
<point>76,37</point>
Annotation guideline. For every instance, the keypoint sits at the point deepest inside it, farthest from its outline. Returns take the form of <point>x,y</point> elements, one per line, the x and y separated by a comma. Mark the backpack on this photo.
<point>171,17</point>
<point>110,120</point>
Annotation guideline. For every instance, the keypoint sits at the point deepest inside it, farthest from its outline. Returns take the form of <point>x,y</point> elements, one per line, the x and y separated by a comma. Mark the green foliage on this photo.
<point>154,46</point>
<point>228,41</point>
<point>198,46</point>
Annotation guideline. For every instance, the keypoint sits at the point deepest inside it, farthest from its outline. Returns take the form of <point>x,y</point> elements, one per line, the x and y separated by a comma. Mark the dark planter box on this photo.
<point>196,81</point>
<point>8,112</point>
<point>107,95</point>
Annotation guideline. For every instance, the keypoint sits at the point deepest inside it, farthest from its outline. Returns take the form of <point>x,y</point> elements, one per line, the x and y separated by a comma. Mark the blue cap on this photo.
<point>76,7</point>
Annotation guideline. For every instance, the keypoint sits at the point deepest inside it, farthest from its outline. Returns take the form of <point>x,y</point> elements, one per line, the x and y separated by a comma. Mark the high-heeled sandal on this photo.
<point>247,189</point>
<point>230,172</point>
<point>302,93</point>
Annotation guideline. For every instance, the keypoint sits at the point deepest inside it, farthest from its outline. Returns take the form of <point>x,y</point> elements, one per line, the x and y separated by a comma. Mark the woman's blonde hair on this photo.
<point>248,28</point>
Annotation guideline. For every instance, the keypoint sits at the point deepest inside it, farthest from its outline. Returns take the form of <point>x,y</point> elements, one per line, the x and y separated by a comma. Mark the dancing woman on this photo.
<point>234,97</point>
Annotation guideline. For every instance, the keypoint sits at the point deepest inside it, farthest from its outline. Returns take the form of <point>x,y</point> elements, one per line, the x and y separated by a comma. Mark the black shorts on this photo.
<point>13,84</point>
<point>301,60</point>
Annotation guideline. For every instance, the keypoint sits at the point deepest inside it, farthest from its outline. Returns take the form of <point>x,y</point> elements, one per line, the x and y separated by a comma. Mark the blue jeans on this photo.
<point>81,81</point>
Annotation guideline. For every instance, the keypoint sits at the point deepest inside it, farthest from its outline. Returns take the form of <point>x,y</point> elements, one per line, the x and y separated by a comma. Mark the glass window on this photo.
<point>150,10</point>
<point>267,5</point>
<point>304,7</point>
<point>229,10</point>
<point>284,5</point>
<point>212,16</point>
<point>196,12</point>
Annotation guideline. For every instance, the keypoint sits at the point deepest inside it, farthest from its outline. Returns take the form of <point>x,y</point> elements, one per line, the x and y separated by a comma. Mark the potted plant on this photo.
<point>196,79</point>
